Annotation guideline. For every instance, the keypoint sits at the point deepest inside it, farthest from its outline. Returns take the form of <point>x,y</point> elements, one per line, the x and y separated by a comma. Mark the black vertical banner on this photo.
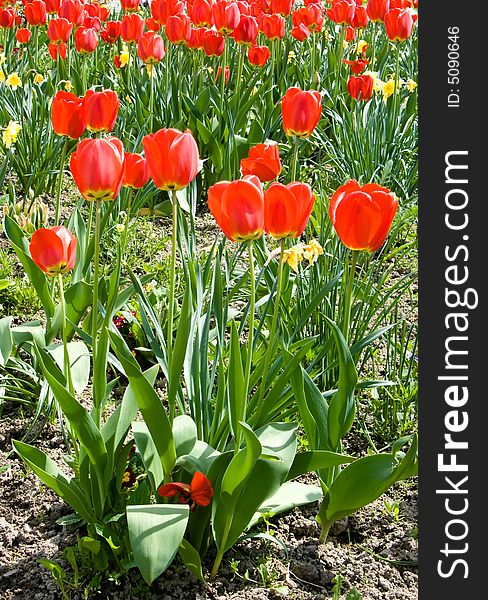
<point>453,236</point>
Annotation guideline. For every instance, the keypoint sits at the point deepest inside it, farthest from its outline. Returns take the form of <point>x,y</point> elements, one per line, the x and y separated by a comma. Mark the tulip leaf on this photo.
<point>149,453</point>
<point>79,359</point>
<point>191,559</point>
<point>156,532</point>
<point>6,341</point>
<point>185,434</point>
<point>236,386</point>
<point>315,460</point>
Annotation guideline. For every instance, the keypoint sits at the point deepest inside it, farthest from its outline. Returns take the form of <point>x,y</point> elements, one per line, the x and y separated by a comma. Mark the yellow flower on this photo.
<point>362,44</point>
<point>119,227</point>
<point>312,251</point>
<point>389,88</point>
<point>68,86</point>
<point>345,44</point>
<point>38,78</point>
<point>2,75</point>
<point>291,56</point>
<point>411,85</point>
<point>150,70</point>
<point>3,58</point>
<point>124,56</point>
<point>13,81</point>
<point>293,256</point>
<point>10,133</point>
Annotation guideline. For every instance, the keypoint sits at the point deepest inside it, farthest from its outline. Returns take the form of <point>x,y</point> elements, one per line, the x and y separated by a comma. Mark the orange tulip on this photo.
<point>23,35</point>
<point>53,250</point>
<point>301,111</point>
<point>132,28</point>
<point>136,171</point>
<point>97,167</point>
<point>199,492</point>
<point>67,114</point>
<point>263,161</point>
<point>172,157</point>
<point>398,24</point>
<point>362,215</point>
<point>100,110</point>
<point>35,13</point>
<point>376,9</point>
<point>238,208</point>
<point>150,48</point>
<point>86,40</point>
<point>360,87</point>
<point>258,56</point>
<point>226,16</point>
<point>287,209</point>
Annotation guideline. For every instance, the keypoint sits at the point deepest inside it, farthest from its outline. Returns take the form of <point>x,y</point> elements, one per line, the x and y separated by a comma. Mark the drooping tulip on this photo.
<point>362,215</point>
<point>53,250</point>
<point>301,111</point>
<point>172,157</point>
<point>287,209</point>
<point>238,208</point>
<point>97,166</point>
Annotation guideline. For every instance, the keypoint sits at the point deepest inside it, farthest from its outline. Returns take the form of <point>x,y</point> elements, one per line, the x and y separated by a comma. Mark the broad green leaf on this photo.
<point>236,387</point>
<point>50,474</point>
<point>6,341</point>
<point>200,459</point>
<point>179,350</point>
<point>191,558</point>
<point>28,332</point>
<point>185,434</point>
<point>79,359</point>
<point>307,462</point>
<point>149,453</point>
<point>156,532</point>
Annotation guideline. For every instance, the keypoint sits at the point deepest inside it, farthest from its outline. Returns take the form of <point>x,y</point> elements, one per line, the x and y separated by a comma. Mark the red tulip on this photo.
<point>23,35</point>
<point>132,28</point>
<point>35,13</point>
<point>57,50</point>
<point>377,9</point>
<point>360,87</point>
<point>129,6</point>
<point>357,66</point>
<point>52,6</point>
<point>111,32</point>
<point>263,161</point>
<point>97,166</point>
<point>196,39</point>
<point>282,7</point>
<point>226,16</point>
<point>67,113</point>
<point>150,48</point>
<point>350,34</point>
<point>178,29</point>
<point>136,171</point>
<point>273,26</point>
<point>59,30</point>
<point>199,492</point>
<point>258,55</point>
<point>362,215</point>
<point>312,16</point>
<point>247,31</point>
<point>172,157</point>
<point>93,9</point>
<point>342,11</point>
<point>7,18</point>
<point>301,111</point>
<point>398,24</point>
<point>201,14</point>
<point>238,208</point>
<point>86,40</point>
<point>213,43</point>
<point>162,9</point>
<point>287,209</point>
<point>100,110</point>
<point>152,24</point>
<point>92,23</point>
<point>53,250</point>
<point>226,74</point>
<point>360,19</point>
<point>73,10</point>
<point>300,32</point>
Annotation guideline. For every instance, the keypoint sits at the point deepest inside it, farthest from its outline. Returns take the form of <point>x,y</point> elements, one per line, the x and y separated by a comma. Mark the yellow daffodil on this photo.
<point>291,56</point>
<point>68,86</point>
<point>124,56</point>
<point>312,251</point>
<point>10,133</point>
<point>119,227</point>
<point>13,81</point>
<point>411,85</point>
<point>3,58</point>
<point>362,44</point>
<point>2,76</point>
<point>293,256</point>
<point>38,78</point>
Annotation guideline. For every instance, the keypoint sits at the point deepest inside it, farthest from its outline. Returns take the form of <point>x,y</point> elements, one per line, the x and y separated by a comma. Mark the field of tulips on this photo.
<point>208,323</point>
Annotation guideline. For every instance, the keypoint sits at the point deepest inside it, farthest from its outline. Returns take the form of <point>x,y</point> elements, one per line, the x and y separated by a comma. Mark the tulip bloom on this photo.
<point>35,13</point>
<point>358,65</point>
<point>52,6</point>
<point>86,40</point>
<point>213,43</point>
<point>377,9</point>
<point>23,35</point>
<point>97,166</point>
<point>129,6</point>
<point>360,87</point>
<point>311,16</point>
<point>300,32</point>
<point>258,55</point>
<point>201,14</point>
<point>281,7</point>
<point>273,27</point>
<point>150,48</point>
<point>342,11</point>
<point>178,29</point>
<point>152,24</point>
<point>226,74</point>
<point>111,32</point>
<point>53,250</point>
<point>238,208</point>
<point>362,215</point>
<point>196,39</point>
<point>263,161</point>
<point>301,111</point>
<point>226,16</point>
<point>172,157</point>
<point>136,171</point>
<point>247,31</point>
<point>67,114</point>
<point>57,50</point>
<point>287,209</point>
<point>398,24</point>
<point>162,9</point>
<point>73,10</point>
<point>360,19</point>
<point>198,493</point>
<point>7,18</point>
<point>100,110</point>
<point>132,28</point>
<point>59,30</point>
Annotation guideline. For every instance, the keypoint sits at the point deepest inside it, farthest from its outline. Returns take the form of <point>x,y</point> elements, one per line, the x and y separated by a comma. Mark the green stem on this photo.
<point>274,322</point>
<point>172,289</point>
<point>294,163</point>
<point>130,195</point>
<point>396,93</point>
<point>64,151</point>
<point>151,98</point>
<point>222,76</point>
<point>239,72</point>
<point>348,296</point>
<point>373,44</point>
<point>250,342</point>
<point>96,275</point>
<point>220,554</point>
<point>64,335</point>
